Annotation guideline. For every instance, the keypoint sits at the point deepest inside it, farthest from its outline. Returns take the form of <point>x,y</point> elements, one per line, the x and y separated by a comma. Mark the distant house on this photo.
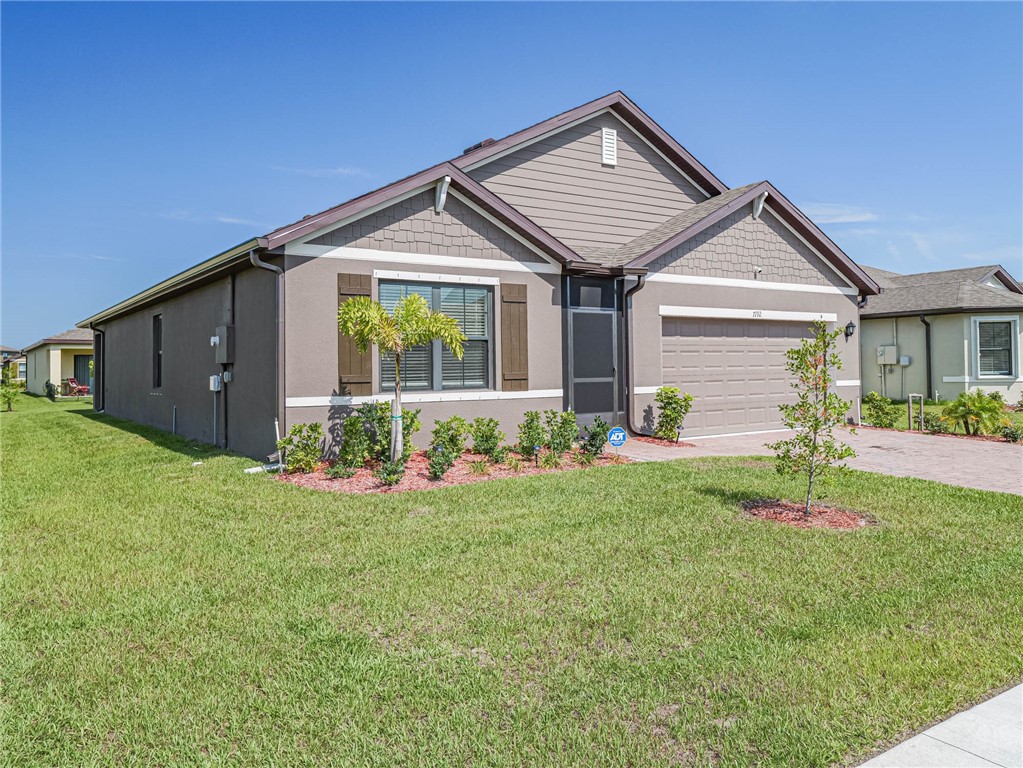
<point>13,363</point>
<point>59,358</point>
<point>942,333</point>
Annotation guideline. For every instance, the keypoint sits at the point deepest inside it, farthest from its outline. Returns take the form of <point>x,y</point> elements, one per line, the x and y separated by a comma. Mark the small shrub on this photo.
<point>936,424</point>
<point>478,467</point>
<point>9,392</point>
<point>1013,434</point>
<point>596,437</point>
<point>486,437</point>
<point>584,459</point>
<point>530,433</point>
<point>514,463</point>
<point>550,460</point>
<point>562,431</point>
<point>376,418</point>
<point>355,443</point>
<point>390,472</point>
<point>451,435</point>
<point>997,395</point>
<point>978,412</point>
<point>338,471</point>
<point>881,412</point>
<point>301,447</point>
<point>440,461</point>
<point>672,408</point>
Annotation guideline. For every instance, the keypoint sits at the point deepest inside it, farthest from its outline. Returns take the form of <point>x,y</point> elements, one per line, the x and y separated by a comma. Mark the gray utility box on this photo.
<point>225,349</point>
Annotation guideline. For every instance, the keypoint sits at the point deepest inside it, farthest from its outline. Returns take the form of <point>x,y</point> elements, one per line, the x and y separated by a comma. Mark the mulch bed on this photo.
<point>660,441</point>
<point>791,513</point>
<point>417,475</point>
<point>957,435</point>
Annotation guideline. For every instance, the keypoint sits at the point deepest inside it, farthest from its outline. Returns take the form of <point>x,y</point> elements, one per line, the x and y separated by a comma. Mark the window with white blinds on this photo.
<point>994,345</point>
<point>432,366</point>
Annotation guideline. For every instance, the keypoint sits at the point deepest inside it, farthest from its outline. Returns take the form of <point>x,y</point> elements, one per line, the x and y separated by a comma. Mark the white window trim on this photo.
<point>976,320</point>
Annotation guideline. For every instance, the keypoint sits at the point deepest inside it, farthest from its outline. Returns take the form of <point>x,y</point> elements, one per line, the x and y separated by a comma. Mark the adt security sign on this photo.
<point>616,436</point>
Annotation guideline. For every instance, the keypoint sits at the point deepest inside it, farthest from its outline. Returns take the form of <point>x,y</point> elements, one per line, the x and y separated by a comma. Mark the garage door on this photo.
<point>735,370</point>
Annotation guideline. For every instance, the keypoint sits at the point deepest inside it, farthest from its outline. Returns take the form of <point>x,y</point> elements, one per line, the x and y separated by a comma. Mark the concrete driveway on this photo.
<point>989,466</point>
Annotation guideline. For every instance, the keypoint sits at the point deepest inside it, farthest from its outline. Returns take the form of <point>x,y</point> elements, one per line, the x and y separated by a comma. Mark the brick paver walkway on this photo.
<point>989,466</point>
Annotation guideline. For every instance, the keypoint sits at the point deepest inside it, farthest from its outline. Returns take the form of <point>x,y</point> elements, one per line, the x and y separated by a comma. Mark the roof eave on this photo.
<point>942,311</point>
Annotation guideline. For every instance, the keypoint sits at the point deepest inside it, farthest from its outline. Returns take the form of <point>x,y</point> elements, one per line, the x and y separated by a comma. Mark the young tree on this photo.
<point>412,324</point>
<point>813,450</point>
<point>9,390</point>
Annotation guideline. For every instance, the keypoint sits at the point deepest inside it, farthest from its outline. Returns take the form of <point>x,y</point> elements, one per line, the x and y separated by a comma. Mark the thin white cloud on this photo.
<point>1011,256</point>
<point>217,218</point>
<point>70,256</point>
<point>322,173</point>
<point>893,250</point>
<point>837,213</point>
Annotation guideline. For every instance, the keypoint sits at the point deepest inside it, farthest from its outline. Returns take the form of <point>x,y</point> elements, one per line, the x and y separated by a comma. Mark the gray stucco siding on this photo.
<point>735,246</point>
<point>560,183</point>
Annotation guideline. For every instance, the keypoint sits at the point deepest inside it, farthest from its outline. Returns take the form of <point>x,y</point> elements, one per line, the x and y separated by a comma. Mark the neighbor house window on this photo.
<point>995,347</point>
<point>22,370</point>
<point>432,366</point>
<point>157,351</point>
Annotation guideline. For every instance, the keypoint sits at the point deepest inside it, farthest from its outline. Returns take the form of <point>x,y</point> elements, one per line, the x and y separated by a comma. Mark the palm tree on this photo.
<point>412,324</point>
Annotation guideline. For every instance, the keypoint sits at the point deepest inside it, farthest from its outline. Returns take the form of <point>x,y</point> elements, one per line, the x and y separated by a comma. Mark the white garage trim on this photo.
<point>645,390</point>
<point>724,313</point>
<point>847,383</point>
<point>735,434</point>
<point>424,397</point>
<point>763,285</point>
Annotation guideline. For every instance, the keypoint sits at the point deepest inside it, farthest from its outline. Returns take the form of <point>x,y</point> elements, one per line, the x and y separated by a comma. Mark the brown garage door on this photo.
<point>735,370</point>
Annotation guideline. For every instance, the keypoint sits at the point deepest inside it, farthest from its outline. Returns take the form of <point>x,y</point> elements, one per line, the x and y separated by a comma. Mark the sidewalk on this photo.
<point>989,734</point>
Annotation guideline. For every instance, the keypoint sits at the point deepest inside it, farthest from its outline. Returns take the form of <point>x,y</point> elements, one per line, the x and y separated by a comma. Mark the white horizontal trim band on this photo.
<point>763,285</point>
<point>847,383</point>
<point>981,380</point>
<point>645,390</point>
<point>426,260</point>
<point>434,277</point>
<point>734,434</point>
<point>423,397</point>
<point>725,313</point>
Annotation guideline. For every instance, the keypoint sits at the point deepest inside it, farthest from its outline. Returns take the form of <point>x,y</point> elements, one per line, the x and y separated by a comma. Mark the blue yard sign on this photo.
<point>616,436</point>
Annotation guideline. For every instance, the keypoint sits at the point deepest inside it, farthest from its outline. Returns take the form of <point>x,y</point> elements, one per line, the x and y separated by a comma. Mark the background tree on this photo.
<point>815,414</point>
<point>9,390</point>
<point>411,324</point>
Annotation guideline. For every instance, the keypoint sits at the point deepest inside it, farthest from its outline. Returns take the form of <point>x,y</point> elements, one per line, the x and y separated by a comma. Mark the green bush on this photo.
<point>881,412</point>
<point>1013,434</point>
<point>301,448</point>
<point>596,436</point>
<point>376,417</point>
<point>978,412</point>
<point>338,471</point>
<point>935,423</point>
<point>672,408</point>
<point>513,462</point>
<point>355,443</point>
<point>531,433</point>
<point>586,459</point>
<point>478,467</point>
<point>439,461</point>
<point>451,435</point>
<point>550,460</point>
<point>390,472</point>
<point>487,438</point>
<point>561,431</point>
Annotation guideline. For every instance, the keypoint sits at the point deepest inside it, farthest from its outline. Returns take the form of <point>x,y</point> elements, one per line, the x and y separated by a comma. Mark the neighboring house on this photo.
<point>57,359</point>
<point>942,333</point>
<point>590,259</point>
<point>13,363</point>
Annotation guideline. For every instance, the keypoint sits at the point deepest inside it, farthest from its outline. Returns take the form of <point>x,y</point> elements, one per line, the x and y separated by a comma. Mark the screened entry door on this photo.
<point>594,349</point>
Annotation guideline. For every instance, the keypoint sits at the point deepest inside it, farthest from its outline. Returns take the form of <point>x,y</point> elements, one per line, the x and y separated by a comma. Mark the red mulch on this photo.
<point>791,513</point>
<point>417,474</point>
<point>957,435</point>
<point>660,441</point>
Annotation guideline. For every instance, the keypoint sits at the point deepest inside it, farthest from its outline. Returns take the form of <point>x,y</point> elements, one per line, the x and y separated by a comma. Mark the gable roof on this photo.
<point>949,291</point>
<point>9,349</point>
<point>75,336</point>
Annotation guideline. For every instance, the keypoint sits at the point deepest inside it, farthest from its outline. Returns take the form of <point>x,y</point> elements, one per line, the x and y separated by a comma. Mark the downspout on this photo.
<point>98,370</point>
<point>629,389</point>
<point>279,387</point>
<point>927,356</point>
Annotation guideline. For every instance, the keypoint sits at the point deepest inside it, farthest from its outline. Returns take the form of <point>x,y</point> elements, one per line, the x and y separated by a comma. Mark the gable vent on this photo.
<point>608,146</point>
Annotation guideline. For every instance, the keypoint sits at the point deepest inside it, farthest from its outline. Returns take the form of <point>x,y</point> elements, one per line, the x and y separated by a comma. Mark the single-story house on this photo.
<point>590,259</point>
<point>58,358</point>
<point>942,333</point>
<point>14,364</point>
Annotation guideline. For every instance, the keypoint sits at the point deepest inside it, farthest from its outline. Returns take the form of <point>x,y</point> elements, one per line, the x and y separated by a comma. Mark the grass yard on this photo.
<point>156,613</point>
<point>1015,417</point>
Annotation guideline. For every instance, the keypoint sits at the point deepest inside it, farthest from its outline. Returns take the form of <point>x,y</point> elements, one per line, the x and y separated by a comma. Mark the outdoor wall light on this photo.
<point>850,329</point>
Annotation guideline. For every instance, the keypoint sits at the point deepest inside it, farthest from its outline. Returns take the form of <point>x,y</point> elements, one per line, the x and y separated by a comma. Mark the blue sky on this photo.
<point>139,139</point>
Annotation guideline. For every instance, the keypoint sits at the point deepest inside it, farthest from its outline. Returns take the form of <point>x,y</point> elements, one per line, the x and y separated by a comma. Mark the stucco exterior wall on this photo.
<point>245,407</point>
<point>53,363</point>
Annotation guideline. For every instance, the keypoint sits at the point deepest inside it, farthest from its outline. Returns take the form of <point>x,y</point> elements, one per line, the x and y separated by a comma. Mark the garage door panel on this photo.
<point>735,370</point>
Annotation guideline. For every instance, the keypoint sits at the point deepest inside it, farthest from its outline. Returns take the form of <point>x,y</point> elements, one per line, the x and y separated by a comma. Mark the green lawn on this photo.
<point>156,613</point>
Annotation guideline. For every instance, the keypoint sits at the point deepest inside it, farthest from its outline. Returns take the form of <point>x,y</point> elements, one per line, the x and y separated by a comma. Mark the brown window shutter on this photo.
<point>514,339</point>
<point>354,370</point>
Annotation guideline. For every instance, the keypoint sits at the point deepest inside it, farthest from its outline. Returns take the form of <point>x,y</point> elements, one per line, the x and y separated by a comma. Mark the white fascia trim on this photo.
<point>356,216</point>
<point>434,277</point>
<point>424,397</point>
<point>726,313</point>
<point>560,128</point>
<point>425,260</point>
<point>847,383</point>
<point>732,282</point>
<point>802,239</point>
<point>503,227</point>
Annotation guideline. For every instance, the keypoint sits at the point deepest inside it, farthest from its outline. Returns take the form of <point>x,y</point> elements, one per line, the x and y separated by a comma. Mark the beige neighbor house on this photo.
<point>13,363</point>
<point>58,358</point>
<point>590,259</point>
<point>943,333</point>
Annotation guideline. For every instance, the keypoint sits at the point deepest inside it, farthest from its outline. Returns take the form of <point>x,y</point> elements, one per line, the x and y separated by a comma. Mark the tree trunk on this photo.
<point>396,431</point>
